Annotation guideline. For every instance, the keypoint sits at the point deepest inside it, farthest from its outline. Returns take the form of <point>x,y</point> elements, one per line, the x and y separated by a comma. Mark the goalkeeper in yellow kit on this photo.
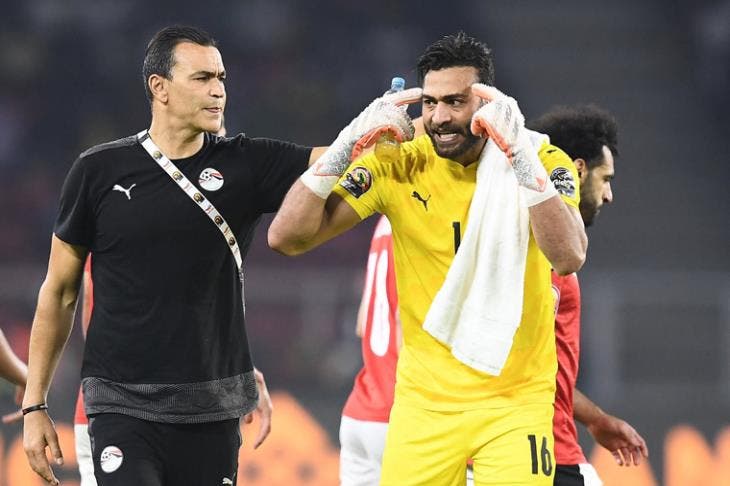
<point>446,411</point>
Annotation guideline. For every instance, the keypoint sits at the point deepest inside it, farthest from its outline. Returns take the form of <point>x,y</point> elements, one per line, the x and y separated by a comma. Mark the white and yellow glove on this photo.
<point>384,114</point>
<point>501,120</point>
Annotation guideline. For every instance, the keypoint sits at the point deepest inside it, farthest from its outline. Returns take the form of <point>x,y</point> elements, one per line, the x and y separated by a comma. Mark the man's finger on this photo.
<point>39,464</point>
<point>636,455</point>
<point>405,97</point>
<point>248,418</point>
<point>264,430</point>
<point>487,93</point>
<point>55,449</point>
<point>12,417</point>
<point>642,446</point>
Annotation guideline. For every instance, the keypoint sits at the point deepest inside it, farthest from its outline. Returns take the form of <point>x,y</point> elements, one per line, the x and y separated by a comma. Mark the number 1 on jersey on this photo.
<point>457,235</point>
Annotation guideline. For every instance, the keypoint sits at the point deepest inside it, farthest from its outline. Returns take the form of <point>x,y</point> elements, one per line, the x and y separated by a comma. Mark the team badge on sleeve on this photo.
<point>563,181</point>
<point>210,179</point>
<point>357,181</point>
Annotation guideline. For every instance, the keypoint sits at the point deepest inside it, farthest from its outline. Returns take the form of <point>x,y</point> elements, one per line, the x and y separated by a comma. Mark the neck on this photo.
<point>175,141</point>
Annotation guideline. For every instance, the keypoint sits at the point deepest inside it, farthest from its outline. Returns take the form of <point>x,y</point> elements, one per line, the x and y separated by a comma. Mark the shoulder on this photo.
<point>562,171</point>
<point>258,145</point>
<point>109,148</point>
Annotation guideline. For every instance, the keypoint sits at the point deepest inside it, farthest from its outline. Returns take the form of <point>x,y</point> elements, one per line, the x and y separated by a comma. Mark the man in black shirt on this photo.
<point>166,371</point>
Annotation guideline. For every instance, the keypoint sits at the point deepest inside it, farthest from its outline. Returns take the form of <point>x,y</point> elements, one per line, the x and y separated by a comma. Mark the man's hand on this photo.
<point>502,121</point>
<point>384,114</point>
<point>620,438</point>
<point>263,410</point>
<point>17,415</point>
<point>39,433</point>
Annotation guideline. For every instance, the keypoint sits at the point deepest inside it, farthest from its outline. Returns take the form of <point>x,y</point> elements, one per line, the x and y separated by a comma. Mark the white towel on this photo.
<point>479,307</point>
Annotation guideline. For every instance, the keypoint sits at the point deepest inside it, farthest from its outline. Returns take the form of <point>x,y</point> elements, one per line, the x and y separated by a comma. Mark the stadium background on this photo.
<point>656,338</point>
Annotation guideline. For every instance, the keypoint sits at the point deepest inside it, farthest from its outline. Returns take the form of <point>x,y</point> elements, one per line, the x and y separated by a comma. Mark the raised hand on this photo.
<point>501,120</point>
<point>384,114</point>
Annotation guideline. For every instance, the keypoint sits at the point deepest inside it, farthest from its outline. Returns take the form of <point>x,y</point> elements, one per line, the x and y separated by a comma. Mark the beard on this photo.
<point>588,211</point>
<point>589,205</point>
<point>452,151</point>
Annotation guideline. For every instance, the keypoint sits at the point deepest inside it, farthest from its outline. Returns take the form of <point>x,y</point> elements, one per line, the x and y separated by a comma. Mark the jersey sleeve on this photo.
<point>74,222</point>
<point>277,166</point>
<point>363,185</point>
<point>562,172</point>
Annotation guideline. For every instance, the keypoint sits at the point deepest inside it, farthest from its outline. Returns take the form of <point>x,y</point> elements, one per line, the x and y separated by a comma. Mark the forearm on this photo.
<point>584,410</point>
<point>298,221</point>
<point>51,328</point>
<point>11,367</point>
<point>560,234</point>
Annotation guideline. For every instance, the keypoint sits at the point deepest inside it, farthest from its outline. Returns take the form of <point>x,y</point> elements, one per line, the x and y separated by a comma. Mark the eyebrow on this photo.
<point>447,98</point>
<point>209,74</point>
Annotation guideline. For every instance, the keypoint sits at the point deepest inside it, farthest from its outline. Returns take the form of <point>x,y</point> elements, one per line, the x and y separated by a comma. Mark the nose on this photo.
<point>217,89</point>
<point>441,114</point>
<point>608,194</point>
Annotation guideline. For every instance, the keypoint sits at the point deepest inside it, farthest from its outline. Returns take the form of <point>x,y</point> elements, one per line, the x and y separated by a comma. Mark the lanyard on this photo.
<point>201,201</point>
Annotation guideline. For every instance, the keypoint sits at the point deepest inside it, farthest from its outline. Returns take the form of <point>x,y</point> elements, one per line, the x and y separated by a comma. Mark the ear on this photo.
<point>158,87</point>
<point>582,167</point>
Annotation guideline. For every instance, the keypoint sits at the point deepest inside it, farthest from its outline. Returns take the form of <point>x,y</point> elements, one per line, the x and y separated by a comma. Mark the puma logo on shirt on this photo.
<point>128,192</point>
<point>424,201</point>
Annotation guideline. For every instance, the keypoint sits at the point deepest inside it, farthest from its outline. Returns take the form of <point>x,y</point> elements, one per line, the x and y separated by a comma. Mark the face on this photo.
<point>595,189</point>
<point>196,95</point>
<point>448,105</point>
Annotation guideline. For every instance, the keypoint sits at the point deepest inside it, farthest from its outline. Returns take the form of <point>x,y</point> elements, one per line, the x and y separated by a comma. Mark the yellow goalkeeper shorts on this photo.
<point>509,446</point>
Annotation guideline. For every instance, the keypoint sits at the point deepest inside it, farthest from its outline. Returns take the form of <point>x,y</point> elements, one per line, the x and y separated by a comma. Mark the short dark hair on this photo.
<point>581,131</point>
<point>159,58</point>
<point>455,51</point>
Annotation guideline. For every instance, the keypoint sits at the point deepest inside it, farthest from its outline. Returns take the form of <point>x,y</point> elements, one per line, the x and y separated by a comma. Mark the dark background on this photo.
<point>657,283</point>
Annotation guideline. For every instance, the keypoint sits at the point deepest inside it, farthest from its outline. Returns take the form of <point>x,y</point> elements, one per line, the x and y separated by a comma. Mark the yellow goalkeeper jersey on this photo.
<point>427,198</point>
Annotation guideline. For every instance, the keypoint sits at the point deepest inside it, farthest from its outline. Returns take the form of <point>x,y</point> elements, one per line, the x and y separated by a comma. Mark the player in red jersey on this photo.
<point>367,411</point>
<point>589,136</point>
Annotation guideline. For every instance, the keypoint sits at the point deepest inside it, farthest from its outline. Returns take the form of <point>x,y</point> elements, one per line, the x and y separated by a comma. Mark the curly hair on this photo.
<point>456,51</point>
<point>581,131</point>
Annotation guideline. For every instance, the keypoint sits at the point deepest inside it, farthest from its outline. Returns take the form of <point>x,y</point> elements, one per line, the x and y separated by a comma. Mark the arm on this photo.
<point>611,432</point>
<point>13,369</point>
<point>51,328</point>
<point>305,220</point>
<point>560,234</point>
<point>558,230</point>
<point>309,215</point>
<point>315,154</point>
<point>264,410</point>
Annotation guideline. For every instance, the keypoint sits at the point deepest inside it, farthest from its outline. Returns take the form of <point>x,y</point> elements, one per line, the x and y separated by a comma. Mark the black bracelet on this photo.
<point>34,408</point>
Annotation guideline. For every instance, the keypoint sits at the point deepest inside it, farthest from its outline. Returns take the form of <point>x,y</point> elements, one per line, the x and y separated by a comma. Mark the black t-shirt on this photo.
<point>167,298</point>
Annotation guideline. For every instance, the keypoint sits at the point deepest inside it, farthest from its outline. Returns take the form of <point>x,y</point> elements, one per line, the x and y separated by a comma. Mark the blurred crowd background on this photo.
<point>656,332</point>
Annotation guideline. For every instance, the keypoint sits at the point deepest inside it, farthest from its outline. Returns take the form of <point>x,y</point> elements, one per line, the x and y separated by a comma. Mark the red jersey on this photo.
<point>567,341</point>
<point>372,395</point>
<point>87,304</point>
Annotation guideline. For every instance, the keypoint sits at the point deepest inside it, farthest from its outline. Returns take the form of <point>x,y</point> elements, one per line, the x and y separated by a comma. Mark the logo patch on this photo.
<point>210,179</point>
<point>111,459</point>
<point>358,181</point>
<point>563,181</point>
<point>127,192</point>
<point>415,195</point>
